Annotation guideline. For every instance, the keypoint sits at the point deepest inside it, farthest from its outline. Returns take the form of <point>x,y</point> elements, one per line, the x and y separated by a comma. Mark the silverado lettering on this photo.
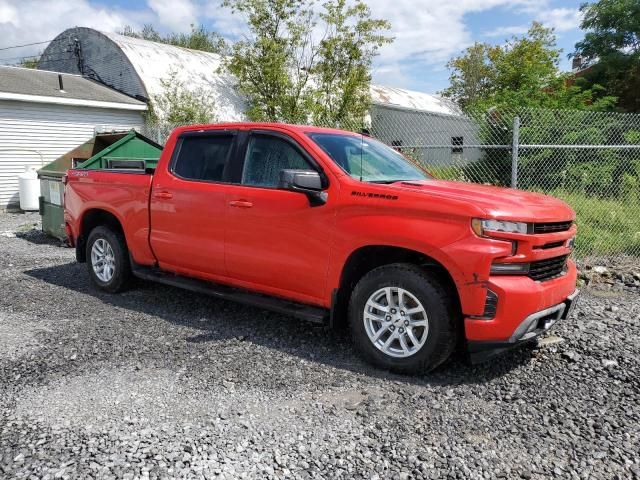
<point>374,195</point>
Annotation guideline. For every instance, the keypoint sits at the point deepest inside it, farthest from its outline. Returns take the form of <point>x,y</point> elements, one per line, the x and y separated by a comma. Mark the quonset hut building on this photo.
<point>137,68</point>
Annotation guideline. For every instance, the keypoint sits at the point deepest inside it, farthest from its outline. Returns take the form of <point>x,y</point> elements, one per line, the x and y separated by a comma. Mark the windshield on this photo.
<point>367,159</point>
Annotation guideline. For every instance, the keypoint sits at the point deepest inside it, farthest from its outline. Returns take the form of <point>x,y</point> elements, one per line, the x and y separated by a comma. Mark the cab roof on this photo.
<point>265,125</point>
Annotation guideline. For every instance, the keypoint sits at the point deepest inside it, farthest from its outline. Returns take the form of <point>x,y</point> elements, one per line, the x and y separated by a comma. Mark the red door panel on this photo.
<point>187,226</point>
<point>277,242</point>
<point>188,205</point>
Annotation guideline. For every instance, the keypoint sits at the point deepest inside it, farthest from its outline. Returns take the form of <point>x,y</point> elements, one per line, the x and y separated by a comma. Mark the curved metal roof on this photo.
<point>411,100</point>
<point>199,71</point>
<point>154,61</point>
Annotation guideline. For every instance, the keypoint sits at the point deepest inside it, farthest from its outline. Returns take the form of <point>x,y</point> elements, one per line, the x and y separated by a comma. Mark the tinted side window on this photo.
<point>266,156</point>
<point>203,158</point>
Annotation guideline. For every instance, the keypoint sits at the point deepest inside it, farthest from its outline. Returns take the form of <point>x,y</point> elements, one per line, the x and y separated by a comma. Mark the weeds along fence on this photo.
<point>589,159</point>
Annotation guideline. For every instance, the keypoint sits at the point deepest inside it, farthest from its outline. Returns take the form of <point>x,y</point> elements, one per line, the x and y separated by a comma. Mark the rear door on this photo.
<point>188,204</point>
<point>276,241</point>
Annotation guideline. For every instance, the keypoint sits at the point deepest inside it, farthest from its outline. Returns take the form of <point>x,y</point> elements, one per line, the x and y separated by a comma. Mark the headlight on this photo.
<point>482,227</point>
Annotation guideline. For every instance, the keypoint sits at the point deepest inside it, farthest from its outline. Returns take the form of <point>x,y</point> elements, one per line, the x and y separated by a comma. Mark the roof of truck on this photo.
<point>263,125</point>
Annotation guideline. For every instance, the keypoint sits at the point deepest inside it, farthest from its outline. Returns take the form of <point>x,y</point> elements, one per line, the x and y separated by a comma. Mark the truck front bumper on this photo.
<point>525,310</point>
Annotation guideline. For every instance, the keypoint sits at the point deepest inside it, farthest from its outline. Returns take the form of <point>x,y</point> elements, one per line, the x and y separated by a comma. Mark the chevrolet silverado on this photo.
<point>334,227</point>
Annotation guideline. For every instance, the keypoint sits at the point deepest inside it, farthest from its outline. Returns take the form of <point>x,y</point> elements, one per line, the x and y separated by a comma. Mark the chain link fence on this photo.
<point>589,159</point>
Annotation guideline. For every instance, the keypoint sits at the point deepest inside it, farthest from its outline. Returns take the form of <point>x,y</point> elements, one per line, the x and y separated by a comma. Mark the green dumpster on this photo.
<point>116,150</point>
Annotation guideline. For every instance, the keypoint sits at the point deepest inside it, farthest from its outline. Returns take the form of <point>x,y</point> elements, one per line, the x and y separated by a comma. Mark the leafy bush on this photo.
<point>178,105</point>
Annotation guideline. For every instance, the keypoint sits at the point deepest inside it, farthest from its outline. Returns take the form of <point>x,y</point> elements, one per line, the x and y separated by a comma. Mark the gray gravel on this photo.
<point>164,383</point>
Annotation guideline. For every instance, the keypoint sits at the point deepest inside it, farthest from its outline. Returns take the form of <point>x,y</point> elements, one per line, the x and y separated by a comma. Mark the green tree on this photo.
<point>342,73</point>
<point>299,65</point>
<point>494,83</point>
<point>611,49</point>
<point>177,105</point>
<point>198,38</point>
<point>522,72</point>
<point>471,77</point>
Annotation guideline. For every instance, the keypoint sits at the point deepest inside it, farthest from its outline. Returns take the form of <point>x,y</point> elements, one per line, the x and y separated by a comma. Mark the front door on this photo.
<point>188,205</point>
<point>276,241</point>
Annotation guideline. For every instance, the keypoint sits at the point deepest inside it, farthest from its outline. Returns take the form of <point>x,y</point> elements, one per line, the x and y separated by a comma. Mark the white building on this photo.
<point>433,128</point>
<point>45,114</point>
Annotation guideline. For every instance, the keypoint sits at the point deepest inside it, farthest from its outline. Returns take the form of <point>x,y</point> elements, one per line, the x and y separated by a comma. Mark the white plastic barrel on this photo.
<point>29,188</point>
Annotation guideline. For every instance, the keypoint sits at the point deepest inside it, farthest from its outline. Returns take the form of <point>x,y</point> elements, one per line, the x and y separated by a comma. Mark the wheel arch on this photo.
<point>366,258</point>
<point>92,218</point>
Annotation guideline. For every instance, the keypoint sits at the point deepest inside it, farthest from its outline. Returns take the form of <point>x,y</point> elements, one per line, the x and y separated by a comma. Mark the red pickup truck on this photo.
<point>336,227</point>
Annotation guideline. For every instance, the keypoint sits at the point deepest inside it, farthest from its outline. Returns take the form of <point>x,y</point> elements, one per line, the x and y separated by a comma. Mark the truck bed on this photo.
<point>122,193</point>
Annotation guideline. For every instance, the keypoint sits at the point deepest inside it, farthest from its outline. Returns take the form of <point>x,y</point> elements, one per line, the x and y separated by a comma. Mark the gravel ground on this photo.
<point>164,383</point>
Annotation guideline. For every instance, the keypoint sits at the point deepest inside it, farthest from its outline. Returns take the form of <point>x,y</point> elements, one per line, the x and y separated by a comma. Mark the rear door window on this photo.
<point>203,157</point>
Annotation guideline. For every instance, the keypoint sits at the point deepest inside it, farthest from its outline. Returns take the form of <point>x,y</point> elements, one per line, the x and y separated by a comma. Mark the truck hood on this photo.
<point>496,202</point>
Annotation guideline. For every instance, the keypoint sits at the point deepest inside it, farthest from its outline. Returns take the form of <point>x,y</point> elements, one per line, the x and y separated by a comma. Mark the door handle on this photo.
<point>163,195</point>
<point>241,204</point>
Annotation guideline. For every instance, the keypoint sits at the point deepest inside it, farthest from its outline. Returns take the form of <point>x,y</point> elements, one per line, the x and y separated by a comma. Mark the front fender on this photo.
<point>448,241</point>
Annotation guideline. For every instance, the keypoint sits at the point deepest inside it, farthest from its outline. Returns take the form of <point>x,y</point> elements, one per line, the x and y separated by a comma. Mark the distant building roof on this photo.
<point>26,84</point>
<point>138,68</point>
<point>200,71</point>
<point>411,100</point>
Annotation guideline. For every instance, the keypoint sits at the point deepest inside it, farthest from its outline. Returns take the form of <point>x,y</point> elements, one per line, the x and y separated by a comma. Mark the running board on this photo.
<point>300,310</point>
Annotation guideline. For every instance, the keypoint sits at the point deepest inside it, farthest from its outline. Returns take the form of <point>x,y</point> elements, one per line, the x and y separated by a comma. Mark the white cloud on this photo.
<point>20,25</point>
<point>561,19</point>
<point>507,31</point>
<point>430,32</point>
<point>226,23</point>
<point>427,32</point>
<point>8,13</point>
<point>393,74</point>
<point>177,15</point>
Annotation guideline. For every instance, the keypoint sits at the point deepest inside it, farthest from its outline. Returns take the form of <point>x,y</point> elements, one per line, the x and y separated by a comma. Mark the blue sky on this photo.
<point>428,32</point>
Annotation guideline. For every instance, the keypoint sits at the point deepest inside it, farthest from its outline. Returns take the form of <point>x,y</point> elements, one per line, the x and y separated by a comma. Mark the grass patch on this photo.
<point>447,172</point>
<point>605,227</point>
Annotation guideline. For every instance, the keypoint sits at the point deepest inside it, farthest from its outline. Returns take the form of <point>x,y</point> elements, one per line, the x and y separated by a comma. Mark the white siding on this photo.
<point>51,130</point>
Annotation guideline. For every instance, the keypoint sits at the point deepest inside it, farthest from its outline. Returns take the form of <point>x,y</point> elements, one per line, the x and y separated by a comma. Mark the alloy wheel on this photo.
<point>396,322</point>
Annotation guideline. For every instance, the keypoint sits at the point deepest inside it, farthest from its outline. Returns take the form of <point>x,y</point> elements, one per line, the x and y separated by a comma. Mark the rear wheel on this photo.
<point>401,319</point>
<point>108,260</point>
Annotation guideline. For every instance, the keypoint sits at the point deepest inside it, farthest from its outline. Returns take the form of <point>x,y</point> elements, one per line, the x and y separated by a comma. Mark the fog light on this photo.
<point>490,307</point>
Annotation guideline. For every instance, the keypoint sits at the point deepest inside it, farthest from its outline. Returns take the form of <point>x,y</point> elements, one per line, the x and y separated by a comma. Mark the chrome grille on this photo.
<point>551,227</point>
<point>543,270</point>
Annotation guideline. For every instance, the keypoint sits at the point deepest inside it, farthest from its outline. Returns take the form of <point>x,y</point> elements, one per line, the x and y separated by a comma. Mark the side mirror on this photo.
<point>308,182</point>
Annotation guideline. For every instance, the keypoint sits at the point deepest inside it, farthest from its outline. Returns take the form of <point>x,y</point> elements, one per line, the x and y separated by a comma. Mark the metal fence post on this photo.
<point>514,151</point>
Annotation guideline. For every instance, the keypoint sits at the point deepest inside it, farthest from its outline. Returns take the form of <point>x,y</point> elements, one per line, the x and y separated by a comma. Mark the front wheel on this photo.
<point>401,319</point>
<point>108,260</point>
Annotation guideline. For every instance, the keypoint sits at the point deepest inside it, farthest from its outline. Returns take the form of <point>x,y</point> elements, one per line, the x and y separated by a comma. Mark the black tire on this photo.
<point>443,321</point>
<point>122,271</point>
